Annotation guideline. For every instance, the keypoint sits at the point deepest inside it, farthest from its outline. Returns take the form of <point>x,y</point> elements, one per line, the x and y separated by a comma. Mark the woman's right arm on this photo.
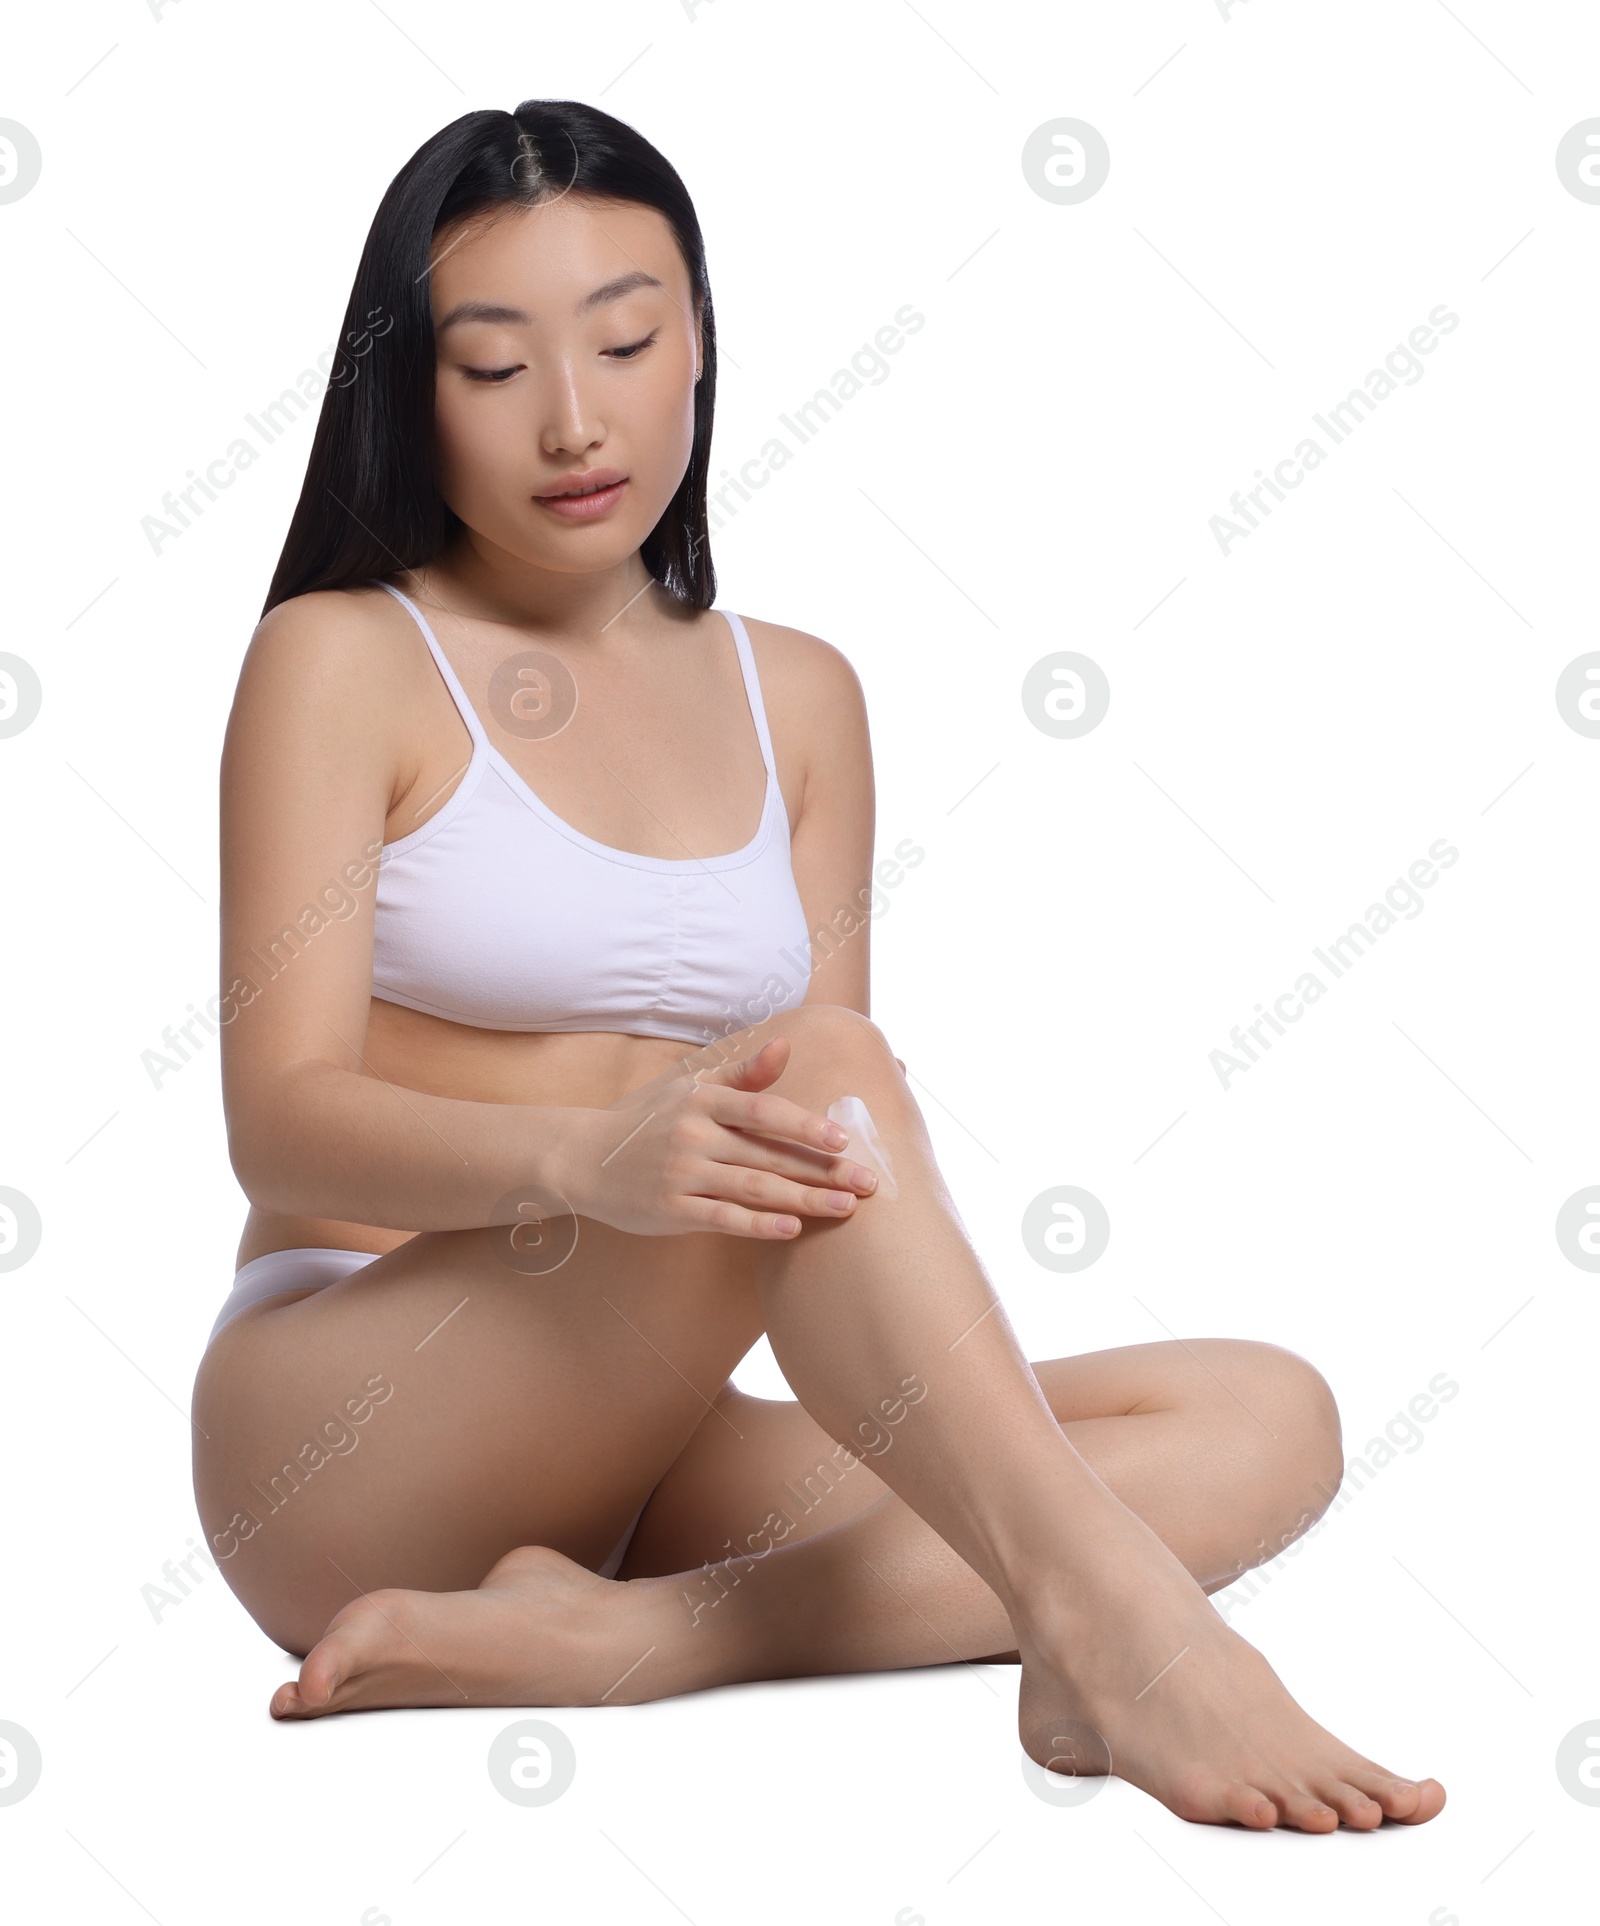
<point>313,761</point>
<point>315,758</point>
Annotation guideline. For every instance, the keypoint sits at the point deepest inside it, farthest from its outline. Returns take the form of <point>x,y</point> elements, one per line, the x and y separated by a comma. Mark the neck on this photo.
<point>478,581</point>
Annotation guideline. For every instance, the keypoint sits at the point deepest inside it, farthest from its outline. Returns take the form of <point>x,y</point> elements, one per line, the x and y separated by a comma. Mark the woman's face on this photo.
<point>567,343</point>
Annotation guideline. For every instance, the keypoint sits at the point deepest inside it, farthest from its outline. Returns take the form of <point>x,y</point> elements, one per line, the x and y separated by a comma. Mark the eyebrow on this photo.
<point>497,312</point>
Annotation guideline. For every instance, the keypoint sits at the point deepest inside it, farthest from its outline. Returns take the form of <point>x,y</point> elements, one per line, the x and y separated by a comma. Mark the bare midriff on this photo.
<point>587,1068</point>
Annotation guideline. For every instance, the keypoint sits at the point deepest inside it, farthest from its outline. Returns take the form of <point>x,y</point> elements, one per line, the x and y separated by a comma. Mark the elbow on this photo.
<point>277,1165</point>
<point>286,1173</point>
<point>275,1149</point>
<point>264,1175</point>
<point>277,1184</point>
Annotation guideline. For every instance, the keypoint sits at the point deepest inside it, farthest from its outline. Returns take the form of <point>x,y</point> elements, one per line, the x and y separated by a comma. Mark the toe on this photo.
<point>1304,1809</point>
<point>285,1702</point>
<point>1408,1801</point>
<point>1430,1803</point>
<point>1355,1807</point>
<point>325,1666</point>
<point>1208,1801</point>
<point>356,1643</point>
<point>1249,1806</point>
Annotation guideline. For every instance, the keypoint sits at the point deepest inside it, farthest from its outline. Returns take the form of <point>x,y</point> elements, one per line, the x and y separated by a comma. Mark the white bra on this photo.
<point>499,914</point>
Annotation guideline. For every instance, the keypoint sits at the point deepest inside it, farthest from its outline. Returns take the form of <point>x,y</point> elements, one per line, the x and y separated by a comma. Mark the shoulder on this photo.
<point>330,673</point>
<point>803,673</point>
<point>352,653</point>
<point>817,713</point>
<point>327,633</point>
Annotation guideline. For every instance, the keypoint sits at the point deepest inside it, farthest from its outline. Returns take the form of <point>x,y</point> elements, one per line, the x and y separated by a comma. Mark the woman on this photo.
<point>544,1117</point>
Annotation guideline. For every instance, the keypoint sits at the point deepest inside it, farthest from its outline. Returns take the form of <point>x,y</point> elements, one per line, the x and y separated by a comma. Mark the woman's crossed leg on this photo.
<point>1070,1515</point>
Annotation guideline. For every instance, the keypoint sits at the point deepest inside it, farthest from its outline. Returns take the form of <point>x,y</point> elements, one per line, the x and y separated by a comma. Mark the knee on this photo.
<point>1316,1439</point>
<point>1290,1407</point>
<point>833,1035</point>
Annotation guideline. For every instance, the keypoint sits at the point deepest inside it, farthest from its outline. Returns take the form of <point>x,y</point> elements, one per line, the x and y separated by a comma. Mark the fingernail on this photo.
<point>867,1179</point>
<point>841,1199</point>
<point>787,1226</point>
<point>836,1136</point>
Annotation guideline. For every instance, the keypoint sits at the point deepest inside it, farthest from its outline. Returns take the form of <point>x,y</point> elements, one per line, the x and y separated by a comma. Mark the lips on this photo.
<point>590,482</point>
<point>589,497</point>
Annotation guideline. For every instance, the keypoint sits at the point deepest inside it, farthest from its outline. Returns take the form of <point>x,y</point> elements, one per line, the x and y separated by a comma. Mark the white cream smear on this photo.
<point>864,1145</point>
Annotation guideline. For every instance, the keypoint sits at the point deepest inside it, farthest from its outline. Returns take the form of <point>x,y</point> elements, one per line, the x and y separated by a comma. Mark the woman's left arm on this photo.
<point>818,719</point>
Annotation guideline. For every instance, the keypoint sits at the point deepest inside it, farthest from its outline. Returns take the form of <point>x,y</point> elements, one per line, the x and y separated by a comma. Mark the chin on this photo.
<point>583,553</point>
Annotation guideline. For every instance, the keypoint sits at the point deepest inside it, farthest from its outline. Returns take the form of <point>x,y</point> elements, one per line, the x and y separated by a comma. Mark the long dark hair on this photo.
<point>370,502</point>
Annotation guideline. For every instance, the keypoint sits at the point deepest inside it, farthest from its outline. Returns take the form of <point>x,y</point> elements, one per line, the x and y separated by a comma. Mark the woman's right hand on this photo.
<point>711,1150</point>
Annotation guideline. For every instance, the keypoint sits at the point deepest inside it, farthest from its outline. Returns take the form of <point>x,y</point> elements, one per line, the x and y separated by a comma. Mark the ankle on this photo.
<point>699,1628</point>
<point>1081,1550</point>
<point>1109,1575</point>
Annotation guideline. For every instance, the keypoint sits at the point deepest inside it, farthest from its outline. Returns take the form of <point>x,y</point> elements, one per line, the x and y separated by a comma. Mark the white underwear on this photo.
<point>306,1269</point>
<point>309,1268</point>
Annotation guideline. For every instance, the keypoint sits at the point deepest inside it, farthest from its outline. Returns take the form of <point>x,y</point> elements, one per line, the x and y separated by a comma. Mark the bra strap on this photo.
<point>458,695</point>
<point>752,690</point>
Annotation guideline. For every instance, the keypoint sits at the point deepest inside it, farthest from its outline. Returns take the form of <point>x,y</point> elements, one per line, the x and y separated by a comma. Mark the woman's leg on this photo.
<point>766,1552</point>
<point>412,1423</point>
<point>1113,1632</point>
<point>887,1318</point>
<point>762,1555</point>
<point>1228,1449</point>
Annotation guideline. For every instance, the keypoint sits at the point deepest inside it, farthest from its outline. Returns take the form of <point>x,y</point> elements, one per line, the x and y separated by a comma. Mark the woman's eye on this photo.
<point>619,354</point>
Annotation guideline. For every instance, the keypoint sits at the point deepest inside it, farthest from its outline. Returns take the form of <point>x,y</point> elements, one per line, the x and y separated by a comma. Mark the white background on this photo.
<point>1291,725</point>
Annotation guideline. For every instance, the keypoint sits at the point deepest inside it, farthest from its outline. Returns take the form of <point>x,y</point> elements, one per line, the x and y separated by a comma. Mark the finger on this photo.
<point>773,1116</point>
<point>753,1071</point>
<point>734,1220</point>
<point>765,1190</point>
<point>806,1166</point>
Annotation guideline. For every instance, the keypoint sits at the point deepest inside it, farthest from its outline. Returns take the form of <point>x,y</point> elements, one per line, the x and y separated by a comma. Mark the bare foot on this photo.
<point>539,1630</point>
<point>1187,1710</point>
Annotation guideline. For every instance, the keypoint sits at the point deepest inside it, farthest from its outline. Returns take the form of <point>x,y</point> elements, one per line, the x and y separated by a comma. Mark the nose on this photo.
<point>572,424</point>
